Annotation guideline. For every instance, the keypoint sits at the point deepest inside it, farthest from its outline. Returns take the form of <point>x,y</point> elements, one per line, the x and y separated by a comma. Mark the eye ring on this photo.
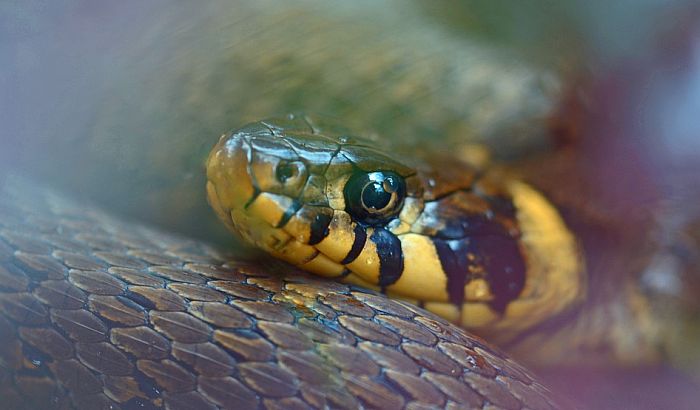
<point>374,197</point>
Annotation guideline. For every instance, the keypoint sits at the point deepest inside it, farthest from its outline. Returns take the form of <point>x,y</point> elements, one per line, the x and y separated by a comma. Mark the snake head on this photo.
<point>278,181</point>
<point>471,245</point>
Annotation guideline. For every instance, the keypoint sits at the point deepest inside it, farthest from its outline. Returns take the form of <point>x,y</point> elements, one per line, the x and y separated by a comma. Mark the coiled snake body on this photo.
<point>99,313</point>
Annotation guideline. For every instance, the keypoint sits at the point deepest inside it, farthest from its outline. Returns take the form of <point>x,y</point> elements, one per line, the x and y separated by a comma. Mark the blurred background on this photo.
<point>119,102</point>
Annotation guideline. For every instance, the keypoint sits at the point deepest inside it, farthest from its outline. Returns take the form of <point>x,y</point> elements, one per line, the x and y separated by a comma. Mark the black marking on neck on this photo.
<point>357,245</point>
<point>455,267</point>
<point>496,258</point>
<point>288,214</point>
<point>505,266</point>
<point>470,226</point>
<point>390,256</point>
<point>319,228</point>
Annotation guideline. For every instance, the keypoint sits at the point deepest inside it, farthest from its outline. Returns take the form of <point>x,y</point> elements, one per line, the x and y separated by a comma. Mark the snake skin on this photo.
<point>96,312</point>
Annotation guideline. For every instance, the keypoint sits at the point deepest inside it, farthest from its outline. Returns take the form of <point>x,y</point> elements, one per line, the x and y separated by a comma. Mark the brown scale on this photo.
<point>77,331</point>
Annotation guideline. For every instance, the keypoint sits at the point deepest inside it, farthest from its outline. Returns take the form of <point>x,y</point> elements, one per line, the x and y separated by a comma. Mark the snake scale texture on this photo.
<point>96,312</point>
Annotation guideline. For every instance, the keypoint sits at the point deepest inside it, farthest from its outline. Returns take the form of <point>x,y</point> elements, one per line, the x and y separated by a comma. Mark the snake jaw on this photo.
<point>269,195</point>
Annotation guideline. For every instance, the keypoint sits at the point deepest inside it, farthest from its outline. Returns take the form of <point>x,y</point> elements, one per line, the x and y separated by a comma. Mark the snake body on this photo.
<point>96,312</point>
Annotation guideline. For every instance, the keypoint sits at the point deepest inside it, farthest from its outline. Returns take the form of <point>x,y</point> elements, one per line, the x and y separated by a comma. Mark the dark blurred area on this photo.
<point>120,102</point>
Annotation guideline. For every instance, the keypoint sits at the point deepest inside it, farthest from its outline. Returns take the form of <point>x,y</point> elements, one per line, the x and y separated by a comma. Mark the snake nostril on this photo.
<point>289,172</point>
<point>285,171</point>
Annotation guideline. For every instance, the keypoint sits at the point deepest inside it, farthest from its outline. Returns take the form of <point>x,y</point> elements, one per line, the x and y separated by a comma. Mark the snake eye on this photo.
<point>374,197</point>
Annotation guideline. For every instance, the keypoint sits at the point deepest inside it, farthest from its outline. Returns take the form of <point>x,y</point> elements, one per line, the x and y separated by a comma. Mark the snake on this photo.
<point>476,248</point>
<point>98,310</point>
<point>98,313</point>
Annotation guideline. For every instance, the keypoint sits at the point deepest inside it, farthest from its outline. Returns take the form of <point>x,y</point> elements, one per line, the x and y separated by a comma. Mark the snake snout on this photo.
<point>229,184</point>
<point>257,183</point>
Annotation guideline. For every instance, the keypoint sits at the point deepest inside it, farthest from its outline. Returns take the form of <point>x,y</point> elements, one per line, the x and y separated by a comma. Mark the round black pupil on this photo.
<point>374,196</point>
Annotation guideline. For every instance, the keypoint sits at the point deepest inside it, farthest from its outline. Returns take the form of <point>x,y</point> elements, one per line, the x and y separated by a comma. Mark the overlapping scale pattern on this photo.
<point>96,312</point>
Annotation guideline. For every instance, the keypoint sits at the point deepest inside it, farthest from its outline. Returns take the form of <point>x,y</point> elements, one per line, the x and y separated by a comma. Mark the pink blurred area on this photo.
<point>653,102</point>
<point>624,389</point>
<point>638,155</point>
